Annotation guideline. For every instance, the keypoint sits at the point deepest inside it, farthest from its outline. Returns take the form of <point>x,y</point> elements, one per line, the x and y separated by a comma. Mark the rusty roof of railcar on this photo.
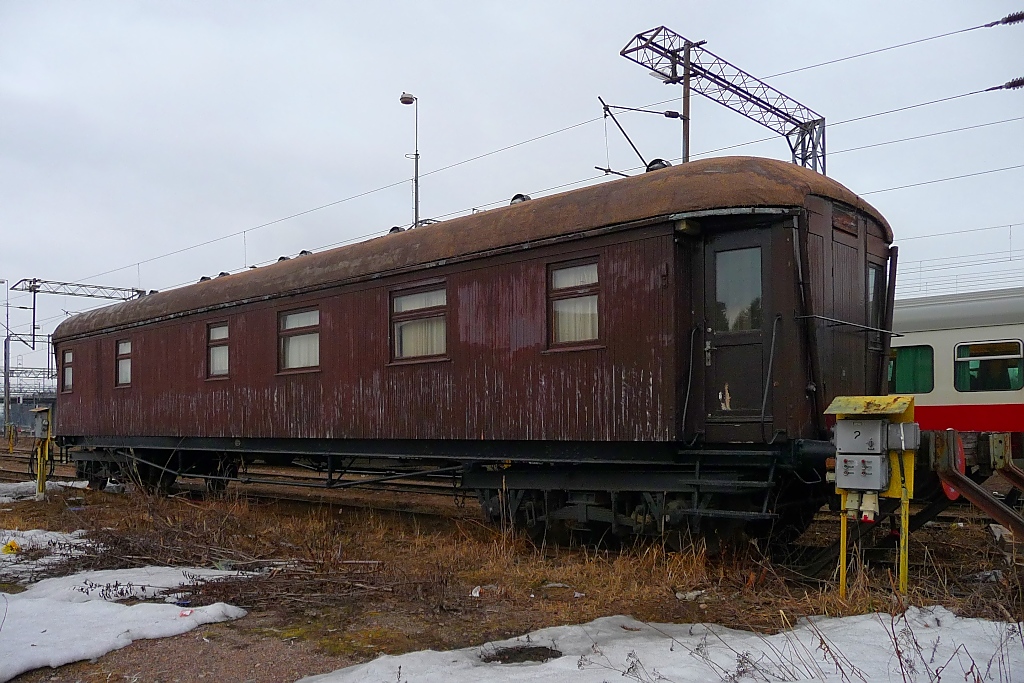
<point>719,183</point>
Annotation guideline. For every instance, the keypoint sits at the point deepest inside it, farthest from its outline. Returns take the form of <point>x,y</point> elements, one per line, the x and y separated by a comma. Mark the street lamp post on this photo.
<point>407,98</point>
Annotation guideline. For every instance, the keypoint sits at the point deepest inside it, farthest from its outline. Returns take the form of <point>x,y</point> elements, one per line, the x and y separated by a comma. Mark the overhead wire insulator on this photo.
<point>1014,18</point>
<point>1009,85</point>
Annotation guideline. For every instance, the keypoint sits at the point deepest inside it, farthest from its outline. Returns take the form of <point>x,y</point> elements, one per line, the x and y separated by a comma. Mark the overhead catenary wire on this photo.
<point>952,282</point>
<point>1013,18</point>
<point>943,180</point>
<point>481,156</point>
<point>928,182</point>
<point>384,231</point>
<point>965,261</point>
<point>926,135</point>
<point>960,232</point>
<point>1017,83</point>
<point>856,118</point>
<point>582,181</point>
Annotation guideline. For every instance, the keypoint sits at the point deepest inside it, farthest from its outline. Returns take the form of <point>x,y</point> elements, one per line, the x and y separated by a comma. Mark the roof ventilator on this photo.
<point>657,165</point>
<point>519,199</point>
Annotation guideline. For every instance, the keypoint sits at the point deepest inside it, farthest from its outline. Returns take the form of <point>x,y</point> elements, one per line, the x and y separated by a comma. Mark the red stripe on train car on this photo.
<point>1004,417</point>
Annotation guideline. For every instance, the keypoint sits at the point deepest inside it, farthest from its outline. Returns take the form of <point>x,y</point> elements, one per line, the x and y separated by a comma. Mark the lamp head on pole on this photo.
<point>407,98</point>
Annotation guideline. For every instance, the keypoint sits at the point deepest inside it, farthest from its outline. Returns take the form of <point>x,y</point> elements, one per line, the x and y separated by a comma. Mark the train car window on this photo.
<point>124,362</point>
<point>217,350</point>
<point>419,324</point>
<point>573,304</point>
<point>989,366</point>
<point>738,290</point>
<point>875,299</point>
<point>67,374</point>
<point>911,370</point>
<point>299,340</point>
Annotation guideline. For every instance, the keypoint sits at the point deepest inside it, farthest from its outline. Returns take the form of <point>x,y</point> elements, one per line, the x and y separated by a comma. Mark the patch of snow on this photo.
<point>25,490</point>
<point>918,646</point>
<point>62,620</point>
<point>24,564</point>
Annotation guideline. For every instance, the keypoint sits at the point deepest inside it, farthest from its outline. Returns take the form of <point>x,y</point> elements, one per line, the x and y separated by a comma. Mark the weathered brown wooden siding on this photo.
<point>839,251</point>
<point>500,382</point>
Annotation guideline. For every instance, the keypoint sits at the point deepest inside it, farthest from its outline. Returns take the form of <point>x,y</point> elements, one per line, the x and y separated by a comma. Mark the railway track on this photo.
<point>433,497</point>
<point>273,485</point>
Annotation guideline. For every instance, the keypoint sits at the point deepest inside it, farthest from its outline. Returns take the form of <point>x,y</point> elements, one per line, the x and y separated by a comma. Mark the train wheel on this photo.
<point>795,505</point>
<point>93,473</point>
<point>791,524</point>
<point>153,472</point>
<point>532,519</point>
<point>227,468</point>
<point>677,540</point>
<point>526,515</point>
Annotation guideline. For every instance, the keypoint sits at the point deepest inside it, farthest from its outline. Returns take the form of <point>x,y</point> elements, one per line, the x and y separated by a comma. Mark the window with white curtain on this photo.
<point>419,324</point>
<point>124,362</point>
<point>217,350</point>
<point>68,366</point>
<point>299,334</point>
<point>573,304</point>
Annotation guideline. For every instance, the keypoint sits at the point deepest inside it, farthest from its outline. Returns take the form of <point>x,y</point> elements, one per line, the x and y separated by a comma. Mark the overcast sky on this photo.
<point>131,130</point>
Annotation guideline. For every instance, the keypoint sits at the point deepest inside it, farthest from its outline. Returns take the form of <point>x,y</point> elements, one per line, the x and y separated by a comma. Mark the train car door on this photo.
<point>736,287</point>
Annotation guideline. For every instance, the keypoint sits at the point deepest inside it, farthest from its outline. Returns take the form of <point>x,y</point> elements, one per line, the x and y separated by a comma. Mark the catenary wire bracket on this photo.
<point>675,59</point>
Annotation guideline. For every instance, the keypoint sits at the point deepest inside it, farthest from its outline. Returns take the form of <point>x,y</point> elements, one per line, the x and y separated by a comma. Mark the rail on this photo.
<point>946,449</point>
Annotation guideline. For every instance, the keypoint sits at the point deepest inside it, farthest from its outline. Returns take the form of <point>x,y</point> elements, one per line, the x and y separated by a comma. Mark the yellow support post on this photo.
<point>42,453</point>
<point>842,548</point>
<point>904,540</point>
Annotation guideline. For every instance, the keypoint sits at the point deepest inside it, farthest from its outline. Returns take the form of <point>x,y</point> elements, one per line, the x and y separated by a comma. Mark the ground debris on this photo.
<point>518,654</point>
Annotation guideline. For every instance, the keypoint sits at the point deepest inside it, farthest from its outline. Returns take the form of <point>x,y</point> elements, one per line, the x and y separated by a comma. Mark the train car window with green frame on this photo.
<point>573,292</point>
<point>67,370</point>
<point>911,370</point>
<point>989,366</point>
<point>419,323</point>
<point>299,340</point>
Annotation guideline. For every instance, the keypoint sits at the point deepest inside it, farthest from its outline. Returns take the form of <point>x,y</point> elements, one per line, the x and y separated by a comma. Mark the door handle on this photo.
<point>708,348</point>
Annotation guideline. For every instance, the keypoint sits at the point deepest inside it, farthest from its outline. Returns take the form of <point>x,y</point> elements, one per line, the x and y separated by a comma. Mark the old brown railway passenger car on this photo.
<point>644,353</point>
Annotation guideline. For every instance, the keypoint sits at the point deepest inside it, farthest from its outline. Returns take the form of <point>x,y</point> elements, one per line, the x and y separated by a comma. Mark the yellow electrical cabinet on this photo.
<point>876,442</point>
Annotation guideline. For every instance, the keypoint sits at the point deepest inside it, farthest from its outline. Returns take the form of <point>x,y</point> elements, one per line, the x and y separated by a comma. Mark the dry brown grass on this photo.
<point>342,577</point>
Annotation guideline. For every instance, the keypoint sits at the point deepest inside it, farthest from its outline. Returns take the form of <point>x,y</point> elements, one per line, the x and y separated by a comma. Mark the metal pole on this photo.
<point>904,567</point>
<point>842,548</point>
<point>416,163</point>
<point>7,362</point>
<point>409,98</point>
<point>686,101</point>
<point>34,292</point>
<point>7,384</point>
